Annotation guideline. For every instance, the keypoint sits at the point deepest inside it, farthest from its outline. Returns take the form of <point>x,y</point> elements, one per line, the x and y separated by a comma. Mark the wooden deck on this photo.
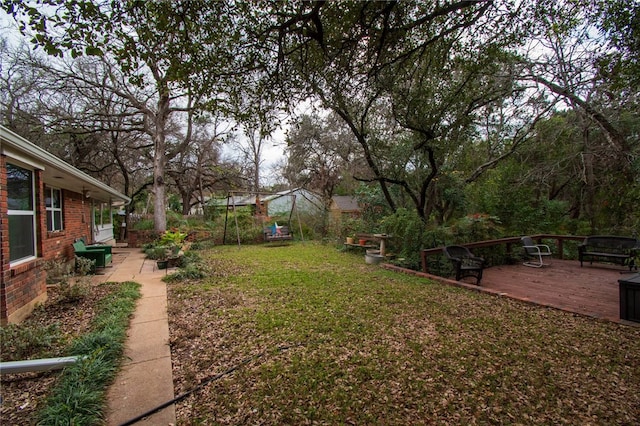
<point>589,290</point>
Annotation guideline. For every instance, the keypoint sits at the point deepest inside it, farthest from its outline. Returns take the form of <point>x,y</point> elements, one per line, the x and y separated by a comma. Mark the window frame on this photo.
<point>31,213</point>
<point>51,210</point>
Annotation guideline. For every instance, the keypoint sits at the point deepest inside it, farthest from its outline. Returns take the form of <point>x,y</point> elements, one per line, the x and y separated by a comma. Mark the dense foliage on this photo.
<point>523,111</point>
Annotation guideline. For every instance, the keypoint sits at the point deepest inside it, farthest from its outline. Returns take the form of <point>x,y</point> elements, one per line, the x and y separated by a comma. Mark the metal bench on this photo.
<point>610,248</point>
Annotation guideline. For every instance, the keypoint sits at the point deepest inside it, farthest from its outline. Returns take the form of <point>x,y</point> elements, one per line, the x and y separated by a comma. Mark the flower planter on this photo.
<point>172,262</point>
<point>162,264</point>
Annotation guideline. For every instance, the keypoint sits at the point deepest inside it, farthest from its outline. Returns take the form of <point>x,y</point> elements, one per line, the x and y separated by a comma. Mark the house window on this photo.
<point>21,212</point>
<point>53,202</point>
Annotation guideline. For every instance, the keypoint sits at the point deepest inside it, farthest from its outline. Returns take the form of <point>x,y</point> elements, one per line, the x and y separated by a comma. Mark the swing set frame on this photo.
<point>231,205</point>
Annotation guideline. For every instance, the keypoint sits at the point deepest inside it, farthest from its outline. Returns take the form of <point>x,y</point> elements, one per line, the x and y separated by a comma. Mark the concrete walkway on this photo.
<point>145,380</point>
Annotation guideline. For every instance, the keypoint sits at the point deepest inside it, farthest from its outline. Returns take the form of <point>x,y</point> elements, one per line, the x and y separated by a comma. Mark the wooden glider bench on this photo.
<point>281,233</point>
<point>100,253</point>
<point>614,249</point>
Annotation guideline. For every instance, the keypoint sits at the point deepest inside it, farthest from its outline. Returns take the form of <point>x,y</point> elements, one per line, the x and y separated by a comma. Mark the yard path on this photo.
<point>145,380</point>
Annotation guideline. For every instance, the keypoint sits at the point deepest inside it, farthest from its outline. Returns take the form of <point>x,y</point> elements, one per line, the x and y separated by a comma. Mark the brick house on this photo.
<point>45,205</point>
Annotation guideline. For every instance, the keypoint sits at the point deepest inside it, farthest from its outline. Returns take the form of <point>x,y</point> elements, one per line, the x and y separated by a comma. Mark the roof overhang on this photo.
<point>57,173</point>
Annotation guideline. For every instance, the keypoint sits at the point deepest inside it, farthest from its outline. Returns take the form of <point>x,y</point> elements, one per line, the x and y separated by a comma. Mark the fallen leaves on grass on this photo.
<point>368,346</point>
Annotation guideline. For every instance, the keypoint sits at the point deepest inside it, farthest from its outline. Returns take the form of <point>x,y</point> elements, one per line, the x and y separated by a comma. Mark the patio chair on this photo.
<point>533,253</point>
<point>101,254</point>
<point>465,263</point>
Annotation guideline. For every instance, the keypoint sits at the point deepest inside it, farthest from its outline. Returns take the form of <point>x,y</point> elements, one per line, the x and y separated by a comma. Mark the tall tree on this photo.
<point>320,152</point>
<point>173,51</point>
<point>407,78</point>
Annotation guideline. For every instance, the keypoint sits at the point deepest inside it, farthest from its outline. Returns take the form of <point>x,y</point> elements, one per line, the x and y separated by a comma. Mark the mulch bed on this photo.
<point>23,394</point>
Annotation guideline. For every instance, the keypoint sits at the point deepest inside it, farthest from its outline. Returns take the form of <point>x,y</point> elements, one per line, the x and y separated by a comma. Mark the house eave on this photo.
<point>58,173</point>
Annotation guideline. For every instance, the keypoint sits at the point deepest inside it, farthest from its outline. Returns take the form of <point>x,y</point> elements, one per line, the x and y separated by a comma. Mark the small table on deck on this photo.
<point>630,298</point>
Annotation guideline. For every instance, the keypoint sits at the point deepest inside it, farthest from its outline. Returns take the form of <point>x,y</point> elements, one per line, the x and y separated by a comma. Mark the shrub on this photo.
<point>170,238</point>
<point>143,225</point>
<point>57,270</point>
<point>189,272</point>
<point>18,342</point>
<point>72,293</point>
<point>85,266</point>
<point>476,227</point>
<point>156,252</point>
<point>407,232</point>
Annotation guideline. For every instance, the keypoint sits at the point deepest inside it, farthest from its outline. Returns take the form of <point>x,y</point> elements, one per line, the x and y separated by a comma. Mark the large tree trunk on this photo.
<point>159,161</point>
<point>159,187</point>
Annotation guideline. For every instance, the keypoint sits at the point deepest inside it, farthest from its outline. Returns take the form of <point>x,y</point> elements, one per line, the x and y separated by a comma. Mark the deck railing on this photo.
<point>508,242</point>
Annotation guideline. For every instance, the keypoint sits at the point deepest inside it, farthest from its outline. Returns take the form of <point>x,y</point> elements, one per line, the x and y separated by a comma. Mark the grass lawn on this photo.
<point>321,337</point>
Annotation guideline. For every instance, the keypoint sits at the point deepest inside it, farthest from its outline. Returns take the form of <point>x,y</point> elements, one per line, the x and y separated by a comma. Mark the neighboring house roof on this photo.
<point>302,195</point>
<point>56,172</point>
<point>345,203</point>
<point>234,200</point>
<point>248,199</point>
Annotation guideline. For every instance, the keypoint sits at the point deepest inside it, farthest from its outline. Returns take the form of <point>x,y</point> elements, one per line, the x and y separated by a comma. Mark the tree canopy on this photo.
<point>437,97</point>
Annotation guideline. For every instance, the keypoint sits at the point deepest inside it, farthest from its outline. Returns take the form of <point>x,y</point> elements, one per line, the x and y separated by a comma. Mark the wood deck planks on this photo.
<point>589,290</point>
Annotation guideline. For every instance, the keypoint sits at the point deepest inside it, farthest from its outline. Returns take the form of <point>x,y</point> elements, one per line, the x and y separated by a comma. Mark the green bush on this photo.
<point>170,238</point>
<point>202,245</point>
<point>72,293</point>
<point>143,225</point>
<point>187,273</point>
<point>156,252</point>
<point>407,235</point>
<point>85,266</point>
<point>476,227</point>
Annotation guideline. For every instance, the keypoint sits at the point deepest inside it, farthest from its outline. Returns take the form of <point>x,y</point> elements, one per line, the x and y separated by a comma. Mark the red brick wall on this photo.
<point>4,239</point>
<point>76,220</point>
<point>137,239</point>
<point>24,285</point>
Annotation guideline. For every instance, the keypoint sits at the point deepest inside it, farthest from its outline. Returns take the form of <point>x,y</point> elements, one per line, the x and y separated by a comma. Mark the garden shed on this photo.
<point>45,205</point>
<point>344,206</point>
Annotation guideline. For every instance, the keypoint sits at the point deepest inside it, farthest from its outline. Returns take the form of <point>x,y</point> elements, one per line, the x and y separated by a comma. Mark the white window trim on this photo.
<point>49,192</point>
<point>31,213</point>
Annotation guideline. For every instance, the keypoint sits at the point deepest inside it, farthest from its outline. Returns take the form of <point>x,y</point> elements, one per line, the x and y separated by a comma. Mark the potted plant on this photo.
<point>167,251</point>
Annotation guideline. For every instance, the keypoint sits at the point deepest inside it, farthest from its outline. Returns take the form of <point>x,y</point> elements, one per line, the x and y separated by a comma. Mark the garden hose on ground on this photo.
<point>205,383</point>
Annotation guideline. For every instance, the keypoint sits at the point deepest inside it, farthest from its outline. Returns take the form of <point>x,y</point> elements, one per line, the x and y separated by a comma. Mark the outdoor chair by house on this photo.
<point>534,253</point>
<point>101,254</point>
<point>465,263</point>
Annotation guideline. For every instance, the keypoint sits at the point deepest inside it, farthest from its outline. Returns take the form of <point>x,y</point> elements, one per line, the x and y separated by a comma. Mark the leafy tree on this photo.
<point>320,153</point>
<point>408,79</point>
<point>160,48</point>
